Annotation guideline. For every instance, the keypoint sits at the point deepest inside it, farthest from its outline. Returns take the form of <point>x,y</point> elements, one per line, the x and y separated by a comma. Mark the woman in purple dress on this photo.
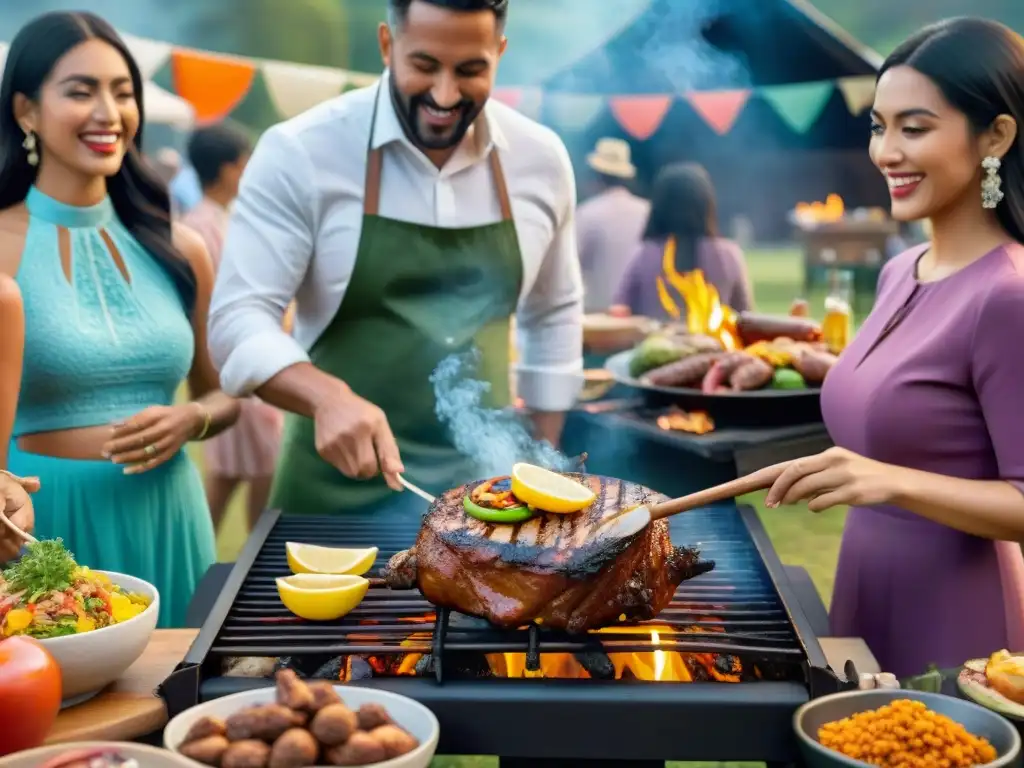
<point>683,208</point>
<point>925,406</point>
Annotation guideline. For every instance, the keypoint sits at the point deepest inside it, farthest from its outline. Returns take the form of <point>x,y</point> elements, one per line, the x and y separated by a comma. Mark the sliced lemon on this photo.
<point>549,491</point>
<point>321,596</point>
<point>309,558</point>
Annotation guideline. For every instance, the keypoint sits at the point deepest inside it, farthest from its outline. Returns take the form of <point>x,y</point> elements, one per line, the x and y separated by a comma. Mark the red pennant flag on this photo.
<point>510,96</point>
<point>640,116</point>
<point>719,108</point>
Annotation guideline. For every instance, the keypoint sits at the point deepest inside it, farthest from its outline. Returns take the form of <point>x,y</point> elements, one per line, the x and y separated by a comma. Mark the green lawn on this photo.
<point>799,536</point>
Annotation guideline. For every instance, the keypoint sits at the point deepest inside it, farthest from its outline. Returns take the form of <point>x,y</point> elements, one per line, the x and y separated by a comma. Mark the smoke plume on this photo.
<point>493,439</point>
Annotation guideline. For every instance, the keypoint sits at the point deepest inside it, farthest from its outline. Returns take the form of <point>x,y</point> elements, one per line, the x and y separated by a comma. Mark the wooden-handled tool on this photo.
<point>633,520</point>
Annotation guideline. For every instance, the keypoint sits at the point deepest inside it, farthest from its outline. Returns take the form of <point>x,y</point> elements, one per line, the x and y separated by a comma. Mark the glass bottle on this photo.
<point>837,328</point>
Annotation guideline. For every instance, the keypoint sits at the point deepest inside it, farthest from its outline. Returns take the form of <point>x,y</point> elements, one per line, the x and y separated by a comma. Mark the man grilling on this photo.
<point>409,220</point>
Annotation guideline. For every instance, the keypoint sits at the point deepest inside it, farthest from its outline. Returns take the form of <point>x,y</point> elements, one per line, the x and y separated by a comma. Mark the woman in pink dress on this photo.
<point>925,405</point>
<point>247,452</point>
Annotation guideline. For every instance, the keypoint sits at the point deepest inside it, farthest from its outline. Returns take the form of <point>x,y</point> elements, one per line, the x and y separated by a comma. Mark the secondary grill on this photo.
<point>724,665</point>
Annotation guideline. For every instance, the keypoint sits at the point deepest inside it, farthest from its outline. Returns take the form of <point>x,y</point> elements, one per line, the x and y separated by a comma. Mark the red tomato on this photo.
<point>30,693</point>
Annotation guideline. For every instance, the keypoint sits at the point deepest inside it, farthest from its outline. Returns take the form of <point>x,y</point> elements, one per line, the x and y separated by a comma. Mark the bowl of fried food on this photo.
<point>298,723</point>
<point>895,727</point>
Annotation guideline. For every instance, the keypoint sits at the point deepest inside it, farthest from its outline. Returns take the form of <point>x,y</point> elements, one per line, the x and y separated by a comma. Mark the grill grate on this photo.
<point>734,609</point>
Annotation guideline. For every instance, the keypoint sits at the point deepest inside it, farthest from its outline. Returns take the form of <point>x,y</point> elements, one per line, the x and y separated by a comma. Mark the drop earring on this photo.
<point>991,185</point>
<point>30,148</point>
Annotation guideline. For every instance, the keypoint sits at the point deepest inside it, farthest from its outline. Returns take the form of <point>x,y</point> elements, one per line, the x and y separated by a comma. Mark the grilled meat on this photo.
<point>548,570</point>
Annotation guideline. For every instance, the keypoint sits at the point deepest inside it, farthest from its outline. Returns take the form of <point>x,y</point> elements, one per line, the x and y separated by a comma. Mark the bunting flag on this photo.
<point>719,108</point>
<point>573,111</point>
<point>213,85</point>
<point>150,55</point>
<point>640,116</point>
<point>799,104</point>
<point>859,92</point>
<point>294,88</point>
<point>513,97</point>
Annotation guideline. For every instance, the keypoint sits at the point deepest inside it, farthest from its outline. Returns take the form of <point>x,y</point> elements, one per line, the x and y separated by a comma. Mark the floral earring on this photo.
<point>30,146</point>
<point>991,185</point>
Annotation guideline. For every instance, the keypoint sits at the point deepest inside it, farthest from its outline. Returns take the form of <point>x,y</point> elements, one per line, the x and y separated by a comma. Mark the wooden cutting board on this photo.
<point>130,708</point>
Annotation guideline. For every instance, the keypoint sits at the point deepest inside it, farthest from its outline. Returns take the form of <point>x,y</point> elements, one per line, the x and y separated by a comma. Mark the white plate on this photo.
<point>974,685</point>
<point>147,757</point>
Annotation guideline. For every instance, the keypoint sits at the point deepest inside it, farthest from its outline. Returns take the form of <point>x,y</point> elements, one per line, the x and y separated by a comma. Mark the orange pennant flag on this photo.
<point>640,116</point>
<point>213,85</point>
<point>719,108</point>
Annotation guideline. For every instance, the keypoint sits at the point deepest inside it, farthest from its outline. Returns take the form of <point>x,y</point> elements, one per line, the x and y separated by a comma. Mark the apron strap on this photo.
<point>375,164</point>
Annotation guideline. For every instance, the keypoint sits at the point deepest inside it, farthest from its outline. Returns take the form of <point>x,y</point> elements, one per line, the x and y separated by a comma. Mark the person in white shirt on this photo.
<point>409,220</point>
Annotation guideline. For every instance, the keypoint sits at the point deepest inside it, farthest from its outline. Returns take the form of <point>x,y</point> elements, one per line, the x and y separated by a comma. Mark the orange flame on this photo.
<point>705,313</point>
<point>830,211</point>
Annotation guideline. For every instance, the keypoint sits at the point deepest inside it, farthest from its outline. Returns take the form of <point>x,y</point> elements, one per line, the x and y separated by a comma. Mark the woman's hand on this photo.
<point>17,506</point>
<point>152,437</point>
<point>833,478</point>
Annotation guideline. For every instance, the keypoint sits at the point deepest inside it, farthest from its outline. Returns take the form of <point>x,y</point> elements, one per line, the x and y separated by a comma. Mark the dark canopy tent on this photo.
<point>761,167</point>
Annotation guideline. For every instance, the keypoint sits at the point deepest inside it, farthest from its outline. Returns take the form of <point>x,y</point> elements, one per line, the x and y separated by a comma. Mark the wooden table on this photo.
<point>130,709</point>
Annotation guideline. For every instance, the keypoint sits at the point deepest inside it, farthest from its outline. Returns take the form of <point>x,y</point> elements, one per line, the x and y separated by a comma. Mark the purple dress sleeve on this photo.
<point>628,292</point>
<point>997,371</point>
<point>742,299</point>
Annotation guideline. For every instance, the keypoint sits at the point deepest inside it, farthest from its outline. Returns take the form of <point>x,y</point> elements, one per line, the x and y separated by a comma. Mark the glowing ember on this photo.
<point>678,420</point>
<point>828,212</point>
<point>705,313</point>
<point>652,666</point>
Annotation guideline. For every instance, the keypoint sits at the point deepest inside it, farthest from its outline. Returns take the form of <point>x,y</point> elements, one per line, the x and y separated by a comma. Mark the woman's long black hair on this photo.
<point>683,206</point>
<point>979,67</point>
<point>140,199</point>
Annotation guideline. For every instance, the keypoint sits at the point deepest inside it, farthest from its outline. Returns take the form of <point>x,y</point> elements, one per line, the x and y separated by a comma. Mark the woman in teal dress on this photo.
<point>114,305</point>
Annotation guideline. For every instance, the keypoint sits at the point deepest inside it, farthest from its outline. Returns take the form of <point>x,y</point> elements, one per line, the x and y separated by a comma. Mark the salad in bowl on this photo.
<point>47,594</point>
<point>94,623</point>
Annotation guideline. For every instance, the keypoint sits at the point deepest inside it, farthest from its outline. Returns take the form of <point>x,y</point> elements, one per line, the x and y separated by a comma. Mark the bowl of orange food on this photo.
<point>895,727</point>
<point>94,623</point>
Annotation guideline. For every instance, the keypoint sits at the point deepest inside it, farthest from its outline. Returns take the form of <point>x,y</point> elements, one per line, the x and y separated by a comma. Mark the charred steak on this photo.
<point>549,569</point>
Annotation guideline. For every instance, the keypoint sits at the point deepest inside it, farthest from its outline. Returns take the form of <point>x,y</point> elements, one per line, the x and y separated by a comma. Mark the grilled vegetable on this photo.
<point>492,501</point>
<point>654,352</point>
<point>687,372</point>
<point>787,378</point>
<point>753,328</point>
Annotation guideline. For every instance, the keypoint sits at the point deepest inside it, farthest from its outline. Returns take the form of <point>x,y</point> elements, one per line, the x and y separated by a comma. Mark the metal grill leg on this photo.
<point>440,629</point>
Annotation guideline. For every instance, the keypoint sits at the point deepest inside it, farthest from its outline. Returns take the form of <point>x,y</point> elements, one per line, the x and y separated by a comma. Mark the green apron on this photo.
<point>417,295</point>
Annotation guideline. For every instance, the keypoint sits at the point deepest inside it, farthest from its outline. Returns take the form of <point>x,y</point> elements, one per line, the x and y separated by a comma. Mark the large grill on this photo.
<point>740,617</point>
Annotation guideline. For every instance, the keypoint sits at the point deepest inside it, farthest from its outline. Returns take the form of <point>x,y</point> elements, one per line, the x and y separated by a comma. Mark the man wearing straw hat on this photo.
<point>609,225</point>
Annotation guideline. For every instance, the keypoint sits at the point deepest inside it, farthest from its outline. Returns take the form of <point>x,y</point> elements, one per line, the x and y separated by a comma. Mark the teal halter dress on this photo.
<point>100,347</point>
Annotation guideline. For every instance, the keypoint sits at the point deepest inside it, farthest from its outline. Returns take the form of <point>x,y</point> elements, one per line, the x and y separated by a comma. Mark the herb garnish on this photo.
<point>47,566</point>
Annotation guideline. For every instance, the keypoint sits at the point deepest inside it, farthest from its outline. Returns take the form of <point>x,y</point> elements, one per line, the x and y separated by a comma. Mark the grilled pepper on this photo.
<point>492,501</point>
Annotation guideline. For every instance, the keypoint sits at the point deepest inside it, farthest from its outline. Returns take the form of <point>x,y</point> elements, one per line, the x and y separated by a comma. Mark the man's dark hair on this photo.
<point>211,148</point>
<point>399,9</point>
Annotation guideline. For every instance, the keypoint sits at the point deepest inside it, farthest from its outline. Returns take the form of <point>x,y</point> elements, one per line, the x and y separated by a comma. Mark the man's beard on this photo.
<point>424,136</point>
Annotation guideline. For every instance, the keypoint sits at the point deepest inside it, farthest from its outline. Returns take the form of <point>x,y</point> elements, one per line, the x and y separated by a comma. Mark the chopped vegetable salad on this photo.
<point>47,594</point>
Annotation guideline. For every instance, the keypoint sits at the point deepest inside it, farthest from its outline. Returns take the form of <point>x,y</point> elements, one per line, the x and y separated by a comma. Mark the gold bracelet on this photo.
<point>207,419</point>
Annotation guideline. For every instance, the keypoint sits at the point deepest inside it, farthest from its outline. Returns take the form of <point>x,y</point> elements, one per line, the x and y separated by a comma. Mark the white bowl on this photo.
<point>147,757</point>
<point>91,661</point>
<point>407,713</point>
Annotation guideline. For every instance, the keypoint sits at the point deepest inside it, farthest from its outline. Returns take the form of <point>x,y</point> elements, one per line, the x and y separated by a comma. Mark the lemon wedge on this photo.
<point>309,558</point>
<point>549,491</point>
<point>321,596</point>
